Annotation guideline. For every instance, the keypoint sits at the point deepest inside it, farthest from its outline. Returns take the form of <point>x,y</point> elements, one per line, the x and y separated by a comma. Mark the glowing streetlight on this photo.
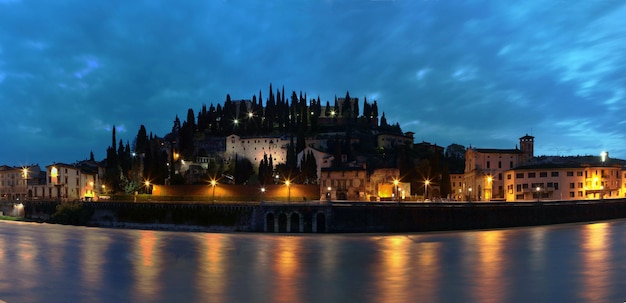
<point>213,184</point>
<point>147,184</point>
<point>426,183</point>
<point>328,193</point>
<point>250,115</point>
<point>538,193</point>
<point>262,193</point>
<point>395,184</point>
<point>288,183</point>
<point>470,194</point>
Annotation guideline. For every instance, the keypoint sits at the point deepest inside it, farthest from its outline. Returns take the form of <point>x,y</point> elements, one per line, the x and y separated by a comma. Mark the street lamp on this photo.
<point>262,193</point>
<point>426,183</point>
<point>213,184</point>
<point>489,194</point>
<point>328,193</point>
<point>288,183</point>
<point>25,175</point>
<point>538,197</point>
<point>147,184</point>
<point>470,194</point>
<point>395,184</point>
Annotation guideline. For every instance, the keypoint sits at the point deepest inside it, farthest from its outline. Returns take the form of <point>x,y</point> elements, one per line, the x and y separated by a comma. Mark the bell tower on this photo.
<point>527,146</point>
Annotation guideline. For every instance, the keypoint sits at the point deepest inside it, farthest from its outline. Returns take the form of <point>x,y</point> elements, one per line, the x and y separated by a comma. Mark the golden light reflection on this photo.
<point>393,273</point>
<point>596,262</point>
<point>537,248</point>
<point>146,271</point>
<point>489,265</point>
<point>287,287</point>
<point>92,257</point>
<point>213,268</point>
<point>429,268</point>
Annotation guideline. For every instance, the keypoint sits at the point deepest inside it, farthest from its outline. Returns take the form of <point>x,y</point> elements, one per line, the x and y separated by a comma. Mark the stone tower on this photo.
<point>527,146</point>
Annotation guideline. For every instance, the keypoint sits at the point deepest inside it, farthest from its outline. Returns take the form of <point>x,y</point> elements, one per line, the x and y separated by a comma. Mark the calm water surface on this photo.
<point>565,263</point>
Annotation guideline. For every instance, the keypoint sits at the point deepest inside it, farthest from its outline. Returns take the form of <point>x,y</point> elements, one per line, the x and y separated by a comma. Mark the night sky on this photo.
<point>472,72</point>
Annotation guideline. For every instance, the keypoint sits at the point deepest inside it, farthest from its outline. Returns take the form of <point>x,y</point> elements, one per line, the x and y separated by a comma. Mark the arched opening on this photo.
<point>282,223</point>
<point>269,222</point>
<point>342,196</point>
<point>320,222</point>
<point>295,223</point>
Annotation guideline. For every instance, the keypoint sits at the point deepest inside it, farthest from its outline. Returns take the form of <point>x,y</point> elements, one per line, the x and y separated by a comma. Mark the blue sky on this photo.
<point>472,72</point>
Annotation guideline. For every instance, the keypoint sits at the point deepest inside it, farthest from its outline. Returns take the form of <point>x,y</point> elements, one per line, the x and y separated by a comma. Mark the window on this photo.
<point>554,174</point>
<point>580,185</point>
<point>543,174</point>
<point>508,176</point>
<point>570,173</point>
<point>519,187</point>
<point>500,176</point>
<point>519,175</point>
<point>579,173</point>
<point>499,164</point>
<point>525,186</point>
<point>488,164</point>
<point>511,164</point>
<point>571,194</point>
<point>531,175</point>
<point>572,185</point>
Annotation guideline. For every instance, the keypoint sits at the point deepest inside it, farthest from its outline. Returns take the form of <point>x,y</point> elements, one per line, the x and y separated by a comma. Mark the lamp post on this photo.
<point>25,176</point>
<point>213,184</point>
<point>426,183</point>
<point>328,193</point>
<point>262,194</point>
<point>395,184</point>
<point>288,183</point>
<point>490,187</point>
<point>538,194</point>
<point>470,195</point>
<point>147,183</point>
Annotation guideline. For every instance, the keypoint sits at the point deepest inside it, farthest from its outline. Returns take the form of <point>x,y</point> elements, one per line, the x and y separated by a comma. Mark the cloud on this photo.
<point>451,71</point>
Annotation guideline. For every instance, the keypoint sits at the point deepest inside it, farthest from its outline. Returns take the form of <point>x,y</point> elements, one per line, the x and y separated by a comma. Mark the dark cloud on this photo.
<point>480,72</point>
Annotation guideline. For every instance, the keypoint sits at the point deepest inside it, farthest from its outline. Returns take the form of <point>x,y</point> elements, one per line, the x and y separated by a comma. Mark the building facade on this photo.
<point>68,183</point>
<point>483,178</point>
<point>565,182</point>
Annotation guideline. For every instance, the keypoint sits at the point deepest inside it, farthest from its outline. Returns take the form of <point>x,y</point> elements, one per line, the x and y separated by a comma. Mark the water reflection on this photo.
<point>579,263</point>
<point>595,262</point>
<point>212,267</point>
<point>286,267</point>
<point>147,266</point>
<point>393,273</point>
<point>92,258</point>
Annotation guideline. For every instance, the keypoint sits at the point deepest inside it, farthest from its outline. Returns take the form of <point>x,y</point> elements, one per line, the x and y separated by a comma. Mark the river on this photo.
<point>562,263</point>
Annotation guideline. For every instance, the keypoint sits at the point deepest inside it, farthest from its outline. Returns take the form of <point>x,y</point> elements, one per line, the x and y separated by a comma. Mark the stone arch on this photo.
<point>320,222</point>
<point>282,223</point>
<point>270,220</point>
<point>296,222</point>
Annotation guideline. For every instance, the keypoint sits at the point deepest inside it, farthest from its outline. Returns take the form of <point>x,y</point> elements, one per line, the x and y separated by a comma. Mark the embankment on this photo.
<point>317,217</point>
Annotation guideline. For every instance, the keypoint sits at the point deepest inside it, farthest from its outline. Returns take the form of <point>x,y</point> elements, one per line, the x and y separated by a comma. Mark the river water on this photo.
<point>563,263</point>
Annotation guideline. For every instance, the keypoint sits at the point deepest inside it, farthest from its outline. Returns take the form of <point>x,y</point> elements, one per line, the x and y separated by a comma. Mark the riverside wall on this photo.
<point>333,217</point>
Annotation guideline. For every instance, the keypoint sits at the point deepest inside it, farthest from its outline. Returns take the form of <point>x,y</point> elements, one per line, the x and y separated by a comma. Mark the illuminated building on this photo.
<point>484,168</point>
